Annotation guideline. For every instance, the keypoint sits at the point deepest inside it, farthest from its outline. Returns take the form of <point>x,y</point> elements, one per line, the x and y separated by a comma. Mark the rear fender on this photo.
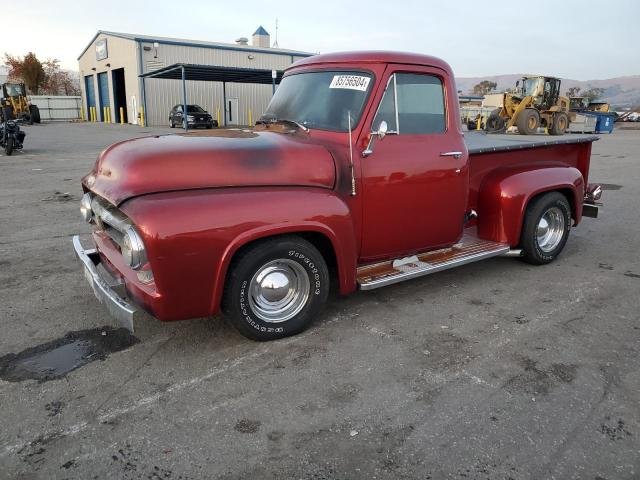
<point>504,195</point>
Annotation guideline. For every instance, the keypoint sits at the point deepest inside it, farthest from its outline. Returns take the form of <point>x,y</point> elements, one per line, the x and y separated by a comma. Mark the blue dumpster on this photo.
<point>605,121</point>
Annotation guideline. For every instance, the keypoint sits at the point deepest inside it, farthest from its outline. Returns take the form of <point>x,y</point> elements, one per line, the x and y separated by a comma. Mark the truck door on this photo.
<point>415,181</point>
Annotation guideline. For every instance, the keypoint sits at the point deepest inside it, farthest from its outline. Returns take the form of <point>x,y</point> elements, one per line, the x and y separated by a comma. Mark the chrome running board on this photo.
<point>469,249</point>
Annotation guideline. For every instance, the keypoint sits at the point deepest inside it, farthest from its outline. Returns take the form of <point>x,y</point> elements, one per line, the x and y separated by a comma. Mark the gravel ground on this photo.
<point>495,370</point>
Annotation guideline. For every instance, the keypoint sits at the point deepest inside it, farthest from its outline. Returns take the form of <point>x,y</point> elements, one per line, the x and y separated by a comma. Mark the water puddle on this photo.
<point>53,360</point>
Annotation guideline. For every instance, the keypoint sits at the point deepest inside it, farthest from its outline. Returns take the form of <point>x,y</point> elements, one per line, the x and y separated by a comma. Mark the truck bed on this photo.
<point>490,153</point>
<point>480,142</point>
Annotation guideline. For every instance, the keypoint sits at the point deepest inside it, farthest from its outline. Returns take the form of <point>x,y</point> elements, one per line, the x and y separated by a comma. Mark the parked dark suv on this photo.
<point>196,117</point>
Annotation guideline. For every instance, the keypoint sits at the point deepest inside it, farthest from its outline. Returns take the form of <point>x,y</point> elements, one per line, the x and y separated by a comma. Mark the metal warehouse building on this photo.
<point>115,71</point>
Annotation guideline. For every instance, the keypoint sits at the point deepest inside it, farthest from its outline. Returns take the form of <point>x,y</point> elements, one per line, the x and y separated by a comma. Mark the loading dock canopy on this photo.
<point>211,73</point>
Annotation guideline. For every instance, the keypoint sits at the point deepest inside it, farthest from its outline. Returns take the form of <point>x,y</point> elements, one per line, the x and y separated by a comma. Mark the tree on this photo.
<point>58,82</point>
<point>41,77</point>
<point>484,87</point>
<point>593,93</point>
<point>573,92</point>
<point>28,69</point>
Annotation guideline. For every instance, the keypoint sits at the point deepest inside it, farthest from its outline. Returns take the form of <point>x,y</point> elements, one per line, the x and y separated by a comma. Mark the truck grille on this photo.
<point>109,219</point>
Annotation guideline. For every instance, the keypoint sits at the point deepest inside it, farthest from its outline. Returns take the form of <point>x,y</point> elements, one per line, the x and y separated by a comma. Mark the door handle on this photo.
<point>451,154</point>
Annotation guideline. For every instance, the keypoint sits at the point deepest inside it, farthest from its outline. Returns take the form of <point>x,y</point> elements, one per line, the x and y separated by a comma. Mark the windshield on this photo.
<point>320,100</point>
<point>194,109</point>
<point>14,90</point>
<point>530,86</point>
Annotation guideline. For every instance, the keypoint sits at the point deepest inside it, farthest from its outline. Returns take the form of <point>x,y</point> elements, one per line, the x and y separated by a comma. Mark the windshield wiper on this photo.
<point>270,120</point>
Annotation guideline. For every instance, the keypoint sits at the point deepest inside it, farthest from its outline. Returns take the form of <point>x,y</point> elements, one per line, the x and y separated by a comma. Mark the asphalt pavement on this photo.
<point>495,370</point>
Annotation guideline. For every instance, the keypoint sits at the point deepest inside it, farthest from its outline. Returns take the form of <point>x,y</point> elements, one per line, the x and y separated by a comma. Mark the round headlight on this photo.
<point>133,249</point>
<point>85,207</point>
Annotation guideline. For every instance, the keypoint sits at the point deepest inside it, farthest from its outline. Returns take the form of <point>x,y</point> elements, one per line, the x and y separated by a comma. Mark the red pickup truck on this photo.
<point>358,173</point>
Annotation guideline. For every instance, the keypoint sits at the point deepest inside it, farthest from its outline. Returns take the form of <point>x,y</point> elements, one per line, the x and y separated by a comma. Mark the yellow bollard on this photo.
<point>121,116</point>
<point>109,114</point>
<point>479,123</point>
<point>82,113</point>
<point>142,122</point>
<point>218,115</point>
<point>93,114</point>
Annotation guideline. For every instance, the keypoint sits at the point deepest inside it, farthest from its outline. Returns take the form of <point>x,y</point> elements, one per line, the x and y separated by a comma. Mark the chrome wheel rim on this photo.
<point>550,229</point>
<point>279,290</point>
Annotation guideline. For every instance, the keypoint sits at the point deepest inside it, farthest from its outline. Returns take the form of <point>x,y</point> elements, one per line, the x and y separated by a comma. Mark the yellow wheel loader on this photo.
<point>21,109</point>
<point>535,103</point>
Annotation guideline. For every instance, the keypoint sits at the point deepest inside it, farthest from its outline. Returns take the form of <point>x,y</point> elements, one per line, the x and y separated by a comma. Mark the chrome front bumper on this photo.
<point>106,289</point>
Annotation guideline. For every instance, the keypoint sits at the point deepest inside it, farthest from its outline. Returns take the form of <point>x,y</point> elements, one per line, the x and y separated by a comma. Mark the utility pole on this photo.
<point>275,44</point>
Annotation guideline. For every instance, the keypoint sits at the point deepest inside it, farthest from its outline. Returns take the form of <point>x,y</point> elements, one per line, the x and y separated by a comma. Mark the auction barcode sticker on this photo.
<point>350,82</point>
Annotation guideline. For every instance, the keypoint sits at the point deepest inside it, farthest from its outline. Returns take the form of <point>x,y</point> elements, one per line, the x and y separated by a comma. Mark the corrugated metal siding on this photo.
<point>162,95</point>
<point>170,54</point>
<point>64,108</point>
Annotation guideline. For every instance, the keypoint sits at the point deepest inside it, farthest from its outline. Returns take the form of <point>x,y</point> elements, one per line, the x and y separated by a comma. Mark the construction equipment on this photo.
<point>22,109</point>
<point>602,107</point>
<point>537,103</point>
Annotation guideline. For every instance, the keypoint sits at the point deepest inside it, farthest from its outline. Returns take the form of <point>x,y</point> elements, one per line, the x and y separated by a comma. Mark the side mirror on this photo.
<point>382,131</point>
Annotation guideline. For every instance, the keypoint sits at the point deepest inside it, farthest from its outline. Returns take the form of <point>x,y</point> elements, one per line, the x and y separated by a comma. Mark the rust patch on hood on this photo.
<point>209,159</point>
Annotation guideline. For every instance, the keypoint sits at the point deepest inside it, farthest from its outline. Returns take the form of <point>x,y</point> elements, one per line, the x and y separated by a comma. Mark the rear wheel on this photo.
<point>171,124</point>
<point>528,121</point>
<point>546,228</point>
<point>495,122</point>
<point>560,124</point>
<point>276,288</point>
<point>34,114</point>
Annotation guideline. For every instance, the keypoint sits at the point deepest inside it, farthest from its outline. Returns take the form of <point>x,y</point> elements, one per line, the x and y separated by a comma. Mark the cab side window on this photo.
<point>413,104</point>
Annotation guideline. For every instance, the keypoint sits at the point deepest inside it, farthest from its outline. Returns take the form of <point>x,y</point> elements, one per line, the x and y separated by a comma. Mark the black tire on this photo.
<point>209,126</point>
<point>547,203</point>
<point>34,114</point>
<point>495,123</point>
<point>171,123</point>
<point>560,124</point>
<point>528,122</point>
<point>292,252</point>
<point>8,147</point>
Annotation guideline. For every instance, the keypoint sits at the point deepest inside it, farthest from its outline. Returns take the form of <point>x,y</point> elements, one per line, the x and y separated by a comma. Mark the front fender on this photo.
<point>504,195</point>
<point>192,236</point>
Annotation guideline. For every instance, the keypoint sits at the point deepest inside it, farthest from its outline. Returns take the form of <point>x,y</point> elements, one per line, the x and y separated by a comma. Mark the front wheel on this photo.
<point>528,121</point>
<point>546,228</point>
<point>8,147</point>
<point>276,288</point>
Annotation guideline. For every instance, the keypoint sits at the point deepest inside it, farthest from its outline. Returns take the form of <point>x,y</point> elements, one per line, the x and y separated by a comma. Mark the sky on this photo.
<point>582,40</point>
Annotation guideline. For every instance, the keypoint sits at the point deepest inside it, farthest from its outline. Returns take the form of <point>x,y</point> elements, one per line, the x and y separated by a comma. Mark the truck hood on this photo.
<point>209,159</point>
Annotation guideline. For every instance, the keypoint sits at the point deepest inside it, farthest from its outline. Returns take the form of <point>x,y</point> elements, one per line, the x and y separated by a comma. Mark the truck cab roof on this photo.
<point>373,56</point>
